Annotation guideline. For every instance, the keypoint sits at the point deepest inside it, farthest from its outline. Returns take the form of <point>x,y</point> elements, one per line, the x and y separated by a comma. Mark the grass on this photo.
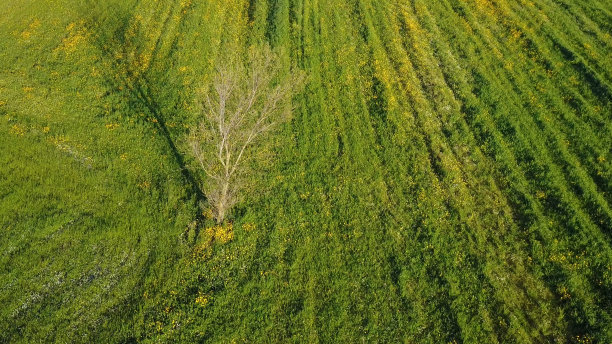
<point>446,176</point>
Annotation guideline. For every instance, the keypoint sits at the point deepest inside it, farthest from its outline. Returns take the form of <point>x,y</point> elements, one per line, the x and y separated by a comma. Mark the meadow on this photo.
<point>446,176</point>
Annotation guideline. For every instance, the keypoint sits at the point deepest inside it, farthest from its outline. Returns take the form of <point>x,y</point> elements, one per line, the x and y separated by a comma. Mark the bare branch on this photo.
<point>243,103</point>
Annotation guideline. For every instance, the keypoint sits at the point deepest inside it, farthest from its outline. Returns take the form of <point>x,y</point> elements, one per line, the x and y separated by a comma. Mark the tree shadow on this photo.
<point>121,45</point>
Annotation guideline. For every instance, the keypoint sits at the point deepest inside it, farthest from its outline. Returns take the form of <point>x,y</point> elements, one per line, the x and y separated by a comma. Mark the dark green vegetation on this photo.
<point>446,176</point>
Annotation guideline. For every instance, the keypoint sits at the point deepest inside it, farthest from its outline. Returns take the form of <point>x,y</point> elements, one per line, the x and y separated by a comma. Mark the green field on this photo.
<point>446,176</point>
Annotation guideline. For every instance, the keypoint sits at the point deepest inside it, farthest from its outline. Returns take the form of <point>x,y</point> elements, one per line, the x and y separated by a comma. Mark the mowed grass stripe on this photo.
<point>558,143</point>
<point>588,247</point>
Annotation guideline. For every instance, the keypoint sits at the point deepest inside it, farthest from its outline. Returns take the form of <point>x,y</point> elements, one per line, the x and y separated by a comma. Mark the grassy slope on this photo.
<point>446,176</point>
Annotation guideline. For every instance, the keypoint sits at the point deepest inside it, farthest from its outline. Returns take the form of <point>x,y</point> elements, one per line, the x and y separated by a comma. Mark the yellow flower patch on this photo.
<point>18,130</point>
<point>202,299</point>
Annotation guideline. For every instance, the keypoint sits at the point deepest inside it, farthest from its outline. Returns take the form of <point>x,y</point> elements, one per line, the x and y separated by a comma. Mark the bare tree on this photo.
<point>240,107</point>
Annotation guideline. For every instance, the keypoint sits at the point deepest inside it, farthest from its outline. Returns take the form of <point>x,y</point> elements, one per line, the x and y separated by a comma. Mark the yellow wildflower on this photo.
<point>18,130</point>
<point>208,214</point>
<point>248,227</point>
<point>202,299</point>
